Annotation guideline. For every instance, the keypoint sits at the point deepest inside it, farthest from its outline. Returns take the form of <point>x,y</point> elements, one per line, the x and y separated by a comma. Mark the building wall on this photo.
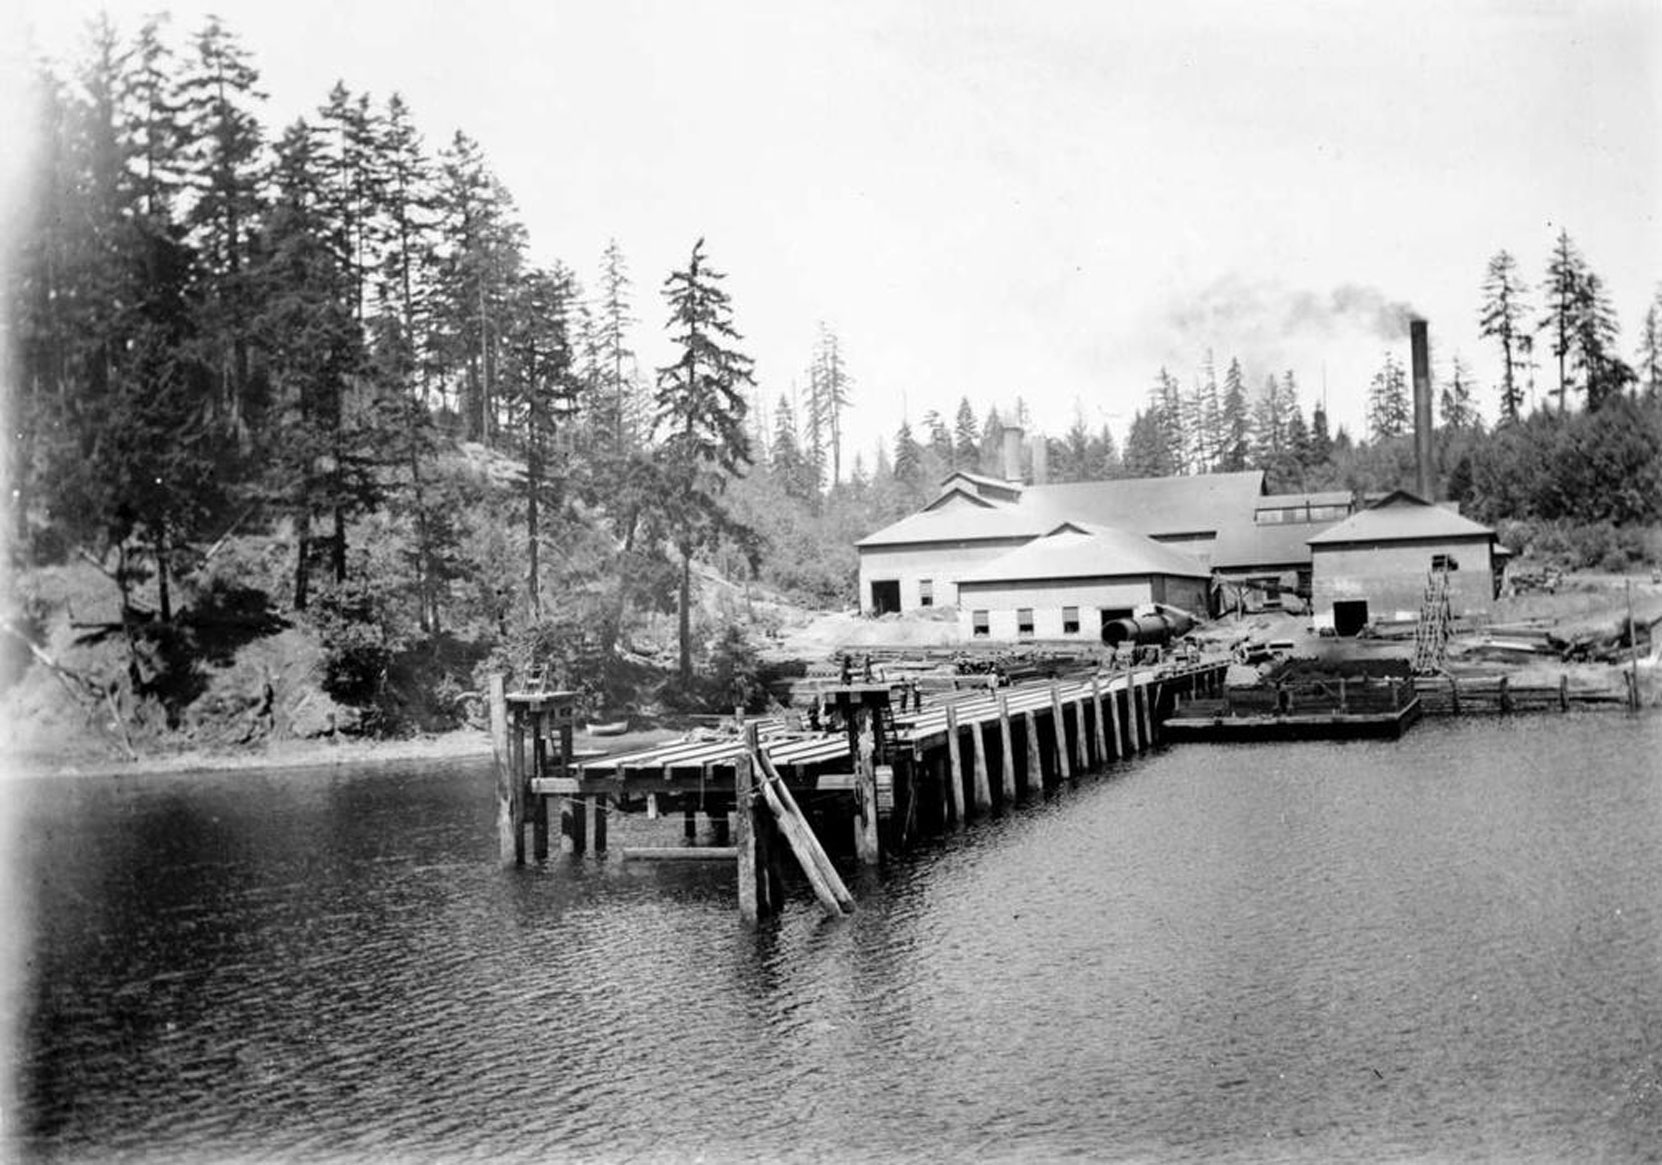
<point>1047,597</point>
<point>1391,576</point>
<point>943,563</point>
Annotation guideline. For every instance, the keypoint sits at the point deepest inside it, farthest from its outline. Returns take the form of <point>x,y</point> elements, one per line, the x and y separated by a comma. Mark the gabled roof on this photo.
<point>1401,516</point>
<point>958,496</point>
<point>983,484</point>
<point>960,524</point>
<point>1095,552</point>
<point>1250,545</point>
<point>1163,506</point>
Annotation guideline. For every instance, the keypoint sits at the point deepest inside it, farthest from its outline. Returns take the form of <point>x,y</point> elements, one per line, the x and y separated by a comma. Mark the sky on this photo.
<point>1048,201</point>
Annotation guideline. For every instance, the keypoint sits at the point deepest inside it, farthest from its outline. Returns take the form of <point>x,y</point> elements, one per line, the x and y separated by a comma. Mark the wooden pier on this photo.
<point>880,779</point>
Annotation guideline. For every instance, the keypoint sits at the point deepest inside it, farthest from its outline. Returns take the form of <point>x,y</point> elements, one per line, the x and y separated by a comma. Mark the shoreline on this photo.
<point>459,744</point>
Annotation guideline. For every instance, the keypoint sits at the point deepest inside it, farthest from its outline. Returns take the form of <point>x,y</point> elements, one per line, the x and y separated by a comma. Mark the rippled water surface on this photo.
<point>1444,948</point>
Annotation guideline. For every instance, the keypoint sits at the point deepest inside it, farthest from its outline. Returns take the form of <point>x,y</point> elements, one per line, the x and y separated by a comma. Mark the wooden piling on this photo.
<point>1505,695</point>
<point>1454,695</point>
<point>1007,753</point>
<point>1114,722</point>
<point>955,765</point>
<point>1035,762</point>
<point>574,824</point>
<point>744,836</point>
<point>1081,744</point>
<point>689,822</point>
<point>867,848</point>
<point>1100,731</point>
<point>599,838</point>
<point>510,786</point>
<point>1563,692</point>
<point>1131,710</point>
<point>1059,730</point>
<point>983,793</point>
<point>538,807</point>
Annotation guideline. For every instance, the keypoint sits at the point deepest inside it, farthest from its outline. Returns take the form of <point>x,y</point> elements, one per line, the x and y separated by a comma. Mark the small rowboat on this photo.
<point>612,728</point>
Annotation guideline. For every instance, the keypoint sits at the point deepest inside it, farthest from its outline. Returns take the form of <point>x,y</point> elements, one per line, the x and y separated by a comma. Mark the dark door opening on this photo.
<point>1349,616</point>
<point>1112,615</point>
<point>885,596</point>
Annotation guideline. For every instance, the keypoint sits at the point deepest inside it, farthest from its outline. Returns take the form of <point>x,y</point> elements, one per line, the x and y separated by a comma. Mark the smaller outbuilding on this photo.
<point>1375,565</point>
<point>1073,581</point>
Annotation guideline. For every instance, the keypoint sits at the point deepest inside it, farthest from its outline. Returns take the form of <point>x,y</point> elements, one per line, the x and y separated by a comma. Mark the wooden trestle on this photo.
<point>888,778</point>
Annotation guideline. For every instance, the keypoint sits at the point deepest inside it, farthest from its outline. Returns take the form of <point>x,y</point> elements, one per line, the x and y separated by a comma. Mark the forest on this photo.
<point>311,376</point>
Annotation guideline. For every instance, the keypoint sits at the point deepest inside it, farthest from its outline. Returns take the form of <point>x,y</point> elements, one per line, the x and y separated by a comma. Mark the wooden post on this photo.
<point>1505,695</point>
<point>983,799</point>
<point>599,803</point>
<point>689,822</point>
<point>1114,722</point>
<point>1563,692</point>
<point>1344,705</point>
<point>1059,728</point>
<point>1035,762</point>
<point>955,764</point>
<point>745,838</point>
<point>1454,694</point>
<point>538,805</point>
<point>822,875</point>
<point>575,821</point>
<point>1007,755</point>
<point>509,789</point>
<point>866,843</point>
<point>1081,744</point>
<point>1101,733</point>
<point>1132,717</point>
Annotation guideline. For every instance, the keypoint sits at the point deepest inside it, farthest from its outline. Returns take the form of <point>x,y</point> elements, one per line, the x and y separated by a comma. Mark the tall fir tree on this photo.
<point>701,413</point>
<point>1564,291</point>
<point>1501,318</point>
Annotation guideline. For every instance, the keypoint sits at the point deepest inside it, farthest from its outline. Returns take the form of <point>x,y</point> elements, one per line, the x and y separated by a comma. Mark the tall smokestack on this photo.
<point>1420,355</point>
<point>1012,452</point>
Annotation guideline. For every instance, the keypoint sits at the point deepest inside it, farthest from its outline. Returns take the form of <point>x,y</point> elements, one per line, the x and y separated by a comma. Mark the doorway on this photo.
<point>885,596</point>
<point>1349,616</point>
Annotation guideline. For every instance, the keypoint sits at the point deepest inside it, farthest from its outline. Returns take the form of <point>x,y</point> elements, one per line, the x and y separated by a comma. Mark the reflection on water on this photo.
<point>1445,947</point>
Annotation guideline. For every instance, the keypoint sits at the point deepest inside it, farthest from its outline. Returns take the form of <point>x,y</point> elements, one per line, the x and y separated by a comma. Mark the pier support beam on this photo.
<point>744,838</point>
<point>510,779</point>
<point>1081,745</point>
<point>1007,753</point>
<point>1035,762</point>
<point>955,765</point>
<point>983,793</point>
<point>1059,725</point>
<point>1136,738</point>
<point>1097,724</point>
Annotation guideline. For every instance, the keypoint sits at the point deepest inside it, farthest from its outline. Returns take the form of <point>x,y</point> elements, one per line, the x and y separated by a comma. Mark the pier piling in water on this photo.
<point>890,779</point>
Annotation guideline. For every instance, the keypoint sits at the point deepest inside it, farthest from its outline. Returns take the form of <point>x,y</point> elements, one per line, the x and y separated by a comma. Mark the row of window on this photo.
<point>1302,514</point>
<point>981,625</point>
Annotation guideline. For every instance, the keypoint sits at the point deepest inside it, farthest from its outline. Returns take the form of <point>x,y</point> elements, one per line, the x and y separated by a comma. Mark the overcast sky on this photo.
<point>1048,200</point>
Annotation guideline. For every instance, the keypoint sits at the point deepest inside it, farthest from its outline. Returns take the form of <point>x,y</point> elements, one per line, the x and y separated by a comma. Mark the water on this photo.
<point>1445,948</point>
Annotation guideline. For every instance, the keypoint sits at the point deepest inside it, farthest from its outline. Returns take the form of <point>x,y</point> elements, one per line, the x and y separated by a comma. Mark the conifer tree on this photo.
<point>1564,290</point>
<point>1235,423</point>
<point>1649,356</point>
<point>219,99</point>
<point>966,439</point>
<point>1389,412</point>
<point>1455,409</point>
<point>1501,318</point>
<point>701,414</point>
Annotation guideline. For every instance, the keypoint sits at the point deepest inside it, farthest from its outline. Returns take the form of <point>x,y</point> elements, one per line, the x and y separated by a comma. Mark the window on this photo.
<point>1070,620</point>
<point>926,592</point>
<point>978,625</point>
<point>1024,621</point>
<point>1444,562</point>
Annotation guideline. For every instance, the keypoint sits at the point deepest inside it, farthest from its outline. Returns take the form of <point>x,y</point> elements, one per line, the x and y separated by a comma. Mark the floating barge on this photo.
<point>1338,710</point>
<point>883,777</point>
